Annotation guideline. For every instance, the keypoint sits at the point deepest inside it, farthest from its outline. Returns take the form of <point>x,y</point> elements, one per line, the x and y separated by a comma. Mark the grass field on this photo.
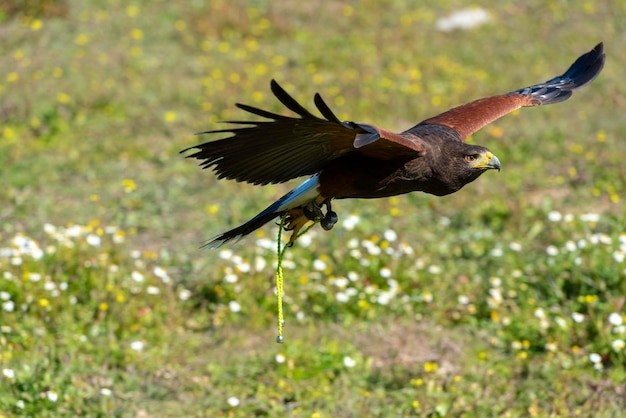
<point>505,299</point>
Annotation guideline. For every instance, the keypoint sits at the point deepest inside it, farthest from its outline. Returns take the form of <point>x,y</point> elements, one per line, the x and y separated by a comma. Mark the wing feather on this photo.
<point>470,117</point>
<point>284,147</point>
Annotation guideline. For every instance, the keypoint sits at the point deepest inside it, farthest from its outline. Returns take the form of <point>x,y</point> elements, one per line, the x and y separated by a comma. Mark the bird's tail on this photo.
<point>580,73</point>
<point>301,195</point>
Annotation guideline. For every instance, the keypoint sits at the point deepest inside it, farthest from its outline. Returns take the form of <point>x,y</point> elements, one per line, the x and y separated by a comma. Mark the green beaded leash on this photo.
<point>280,253</point>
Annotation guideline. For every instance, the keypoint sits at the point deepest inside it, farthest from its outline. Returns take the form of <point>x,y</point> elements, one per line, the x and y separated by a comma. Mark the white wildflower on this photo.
<point>555,216</point>
<point>52,395</point>
<point>243,267</point>
<point>264,243</point>
<point>342,297</point>
<point>560,322</point>
<point>34,277</point>
<point>356,254</point>
<point>406,249</point>
<point>231,278</point>
<point>463,19</point>
<point>384,298</point>
<point>551,250</point>
<point>319,265</point>
<point>340,282</point>
<point>618,345</point>
<point>590,217</point>
<point>390,235</point>
<point>349,361</point>
<point>434,269</point>
<point>136,276</point>
<point>463,300</point>
<point>595,357</point>
<point>161,273</point>
<point>350,222</point>
<point>74,231</point>
<point>570,246</point>
<point>371,247</point>
<point>289,264</point>
<point>305,240</point>
<point>600,238</point>
<point>137,345</point>
<point>184,294</point>
<point>621,329</point>
<point>539,313</point>
<point>93,240</point>
<point>226,254</point>
<point>551,346</point>
<point>385,272</point>
<point>118,237</point>
<point>259,263</point>
<point>616,319</point>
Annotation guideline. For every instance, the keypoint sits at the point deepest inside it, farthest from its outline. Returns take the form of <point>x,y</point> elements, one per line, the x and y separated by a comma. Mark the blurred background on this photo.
<point>506,298</point>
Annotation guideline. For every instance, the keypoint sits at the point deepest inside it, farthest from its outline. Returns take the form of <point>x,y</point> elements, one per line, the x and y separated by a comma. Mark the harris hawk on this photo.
<point>347,159</point>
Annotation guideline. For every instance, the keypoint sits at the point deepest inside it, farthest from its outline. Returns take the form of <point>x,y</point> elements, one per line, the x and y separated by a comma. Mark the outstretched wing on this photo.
<point>283,148</point>
<point>470,117</point>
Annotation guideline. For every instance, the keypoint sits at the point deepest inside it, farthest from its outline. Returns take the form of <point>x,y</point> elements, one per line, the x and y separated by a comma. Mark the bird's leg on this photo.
<point>330,219</point>
<point>312,211</point>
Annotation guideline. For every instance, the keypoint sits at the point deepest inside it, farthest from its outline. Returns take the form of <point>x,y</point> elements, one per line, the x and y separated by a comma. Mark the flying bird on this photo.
<point>347,159</point>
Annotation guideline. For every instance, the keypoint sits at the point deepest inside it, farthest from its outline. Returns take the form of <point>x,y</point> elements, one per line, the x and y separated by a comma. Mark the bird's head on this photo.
<point>480,159</point>
<point>460,163</point>
<point>470,161</point>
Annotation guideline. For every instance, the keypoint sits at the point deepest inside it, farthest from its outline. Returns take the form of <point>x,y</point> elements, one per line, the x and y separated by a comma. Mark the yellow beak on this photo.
<point>488,161</point>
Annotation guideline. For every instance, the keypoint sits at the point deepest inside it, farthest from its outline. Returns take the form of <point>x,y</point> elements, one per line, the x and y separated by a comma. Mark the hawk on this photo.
<point>346,159</point>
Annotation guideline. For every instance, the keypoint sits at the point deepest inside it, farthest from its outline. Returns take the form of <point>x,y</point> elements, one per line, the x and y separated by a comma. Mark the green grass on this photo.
<point>491,302</point>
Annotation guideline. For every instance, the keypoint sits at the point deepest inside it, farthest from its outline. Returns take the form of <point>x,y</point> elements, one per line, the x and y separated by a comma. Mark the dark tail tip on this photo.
<point>241,231</point>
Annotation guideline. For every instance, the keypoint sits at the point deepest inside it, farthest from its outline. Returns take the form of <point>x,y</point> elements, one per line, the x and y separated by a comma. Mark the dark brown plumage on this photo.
<point>357,160</point>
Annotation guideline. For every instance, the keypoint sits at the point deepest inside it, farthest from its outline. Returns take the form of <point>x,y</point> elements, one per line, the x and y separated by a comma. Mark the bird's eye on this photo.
<point>471,158</point>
